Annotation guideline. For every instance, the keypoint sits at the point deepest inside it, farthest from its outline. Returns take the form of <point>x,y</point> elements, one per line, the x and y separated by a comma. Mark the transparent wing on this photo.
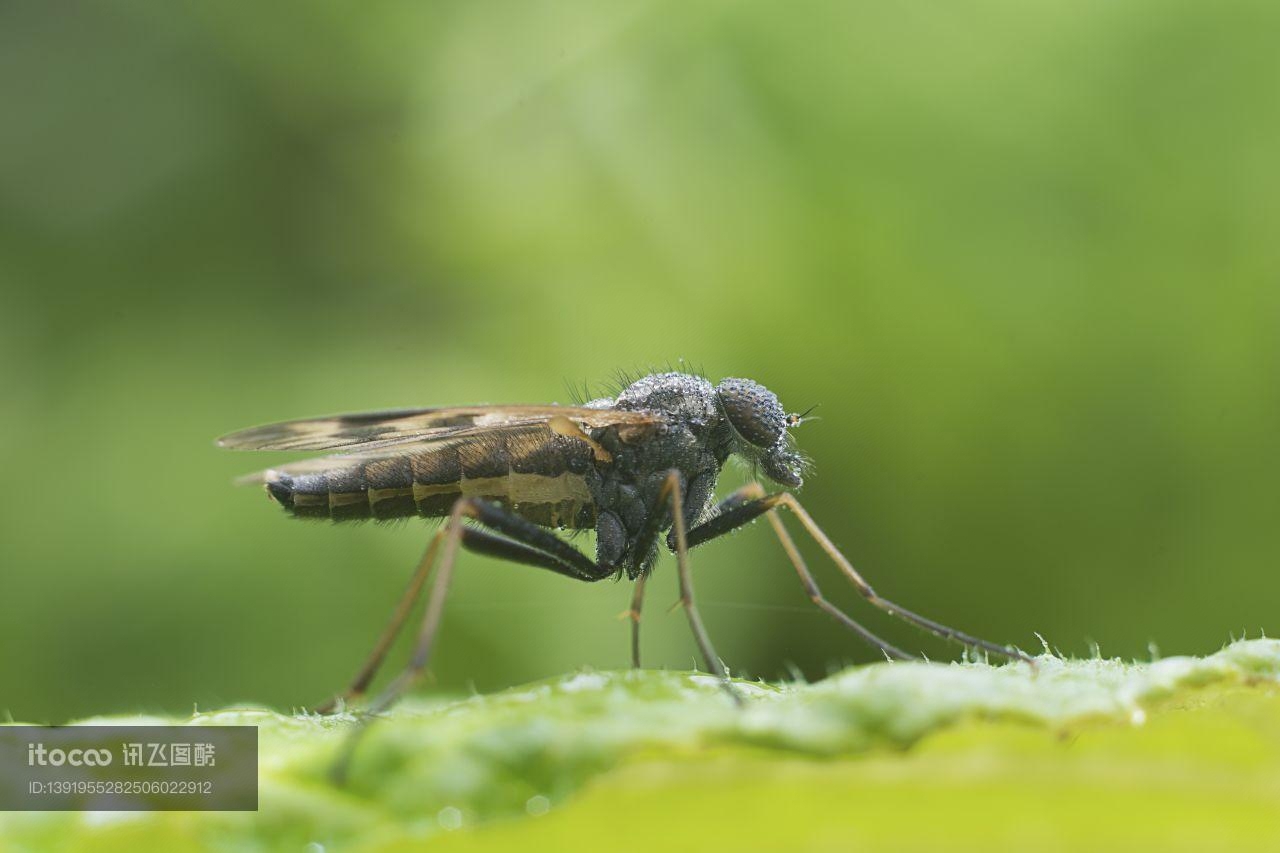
<point>373,430</point>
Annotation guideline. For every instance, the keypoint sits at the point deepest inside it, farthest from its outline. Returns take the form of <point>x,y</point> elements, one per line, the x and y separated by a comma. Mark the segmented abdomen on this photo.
<point>540,475</point>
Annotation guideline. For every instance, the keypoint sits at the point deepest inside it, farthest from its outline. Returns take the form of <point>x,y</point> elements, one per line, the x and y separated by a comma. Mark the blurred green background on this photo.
<point>1024,255</point>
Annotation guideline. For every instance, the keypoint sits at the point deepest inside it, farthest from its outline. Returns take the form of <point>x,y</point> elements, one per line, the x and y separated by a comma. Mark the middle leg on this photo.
<point>637,605</point>
<point>670,492</point>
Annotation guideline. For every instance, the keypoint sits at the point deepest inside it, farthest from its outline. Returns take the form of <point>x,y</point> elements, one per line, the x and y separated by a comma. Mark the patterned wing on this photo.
<point>373,430</point>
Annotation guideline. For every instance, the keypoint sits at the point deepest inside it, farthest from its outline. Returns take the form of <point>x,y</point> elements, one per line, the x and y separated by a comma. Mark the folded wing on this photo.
<point>373,430</point>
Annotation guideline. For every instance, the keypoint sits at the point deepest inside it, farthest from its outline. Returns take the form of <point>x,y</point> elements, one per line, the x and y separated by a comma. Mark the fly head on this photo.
<point>760,429</point>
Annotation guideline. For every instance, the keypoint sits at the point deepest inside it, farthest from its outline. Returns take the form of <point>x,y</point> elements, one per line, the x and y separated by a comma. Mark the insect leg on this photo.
<point>745,512</point>
<point>748,497</point>
<point>670,491</point>
<point>637,604</point>
<point>451,535</point>
<point>534,538</point>
<point>369,669</point>
<point>529,544</point>
<point>473,540</point>
<point>514,551</point>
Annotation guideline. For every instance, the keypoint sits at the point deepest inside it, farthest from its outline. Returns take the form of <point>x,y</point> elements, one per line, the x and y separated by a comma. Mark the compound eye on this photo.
<point>753,410</point>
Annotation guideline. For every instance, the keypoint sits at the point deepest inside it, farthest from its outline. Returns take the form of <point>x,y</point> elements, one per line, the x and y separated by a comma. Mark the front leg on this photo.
<point>736,510</point>
<point>751,502</point>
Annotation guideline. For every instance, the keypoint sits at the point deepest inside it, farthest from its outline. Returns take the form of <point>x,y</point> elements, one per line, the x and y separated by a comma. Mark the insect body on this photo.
<point>631,468</point>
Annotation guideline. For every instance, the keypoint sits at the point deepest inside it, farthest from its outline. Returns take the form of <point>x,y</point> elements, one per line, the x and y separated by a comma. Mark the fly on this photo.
<point>640,469</point>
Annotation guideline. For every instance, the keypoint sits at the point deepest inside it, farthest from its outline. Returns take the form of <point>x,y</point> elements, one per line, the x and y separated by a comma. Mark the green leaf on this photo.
<point>1181,752</point>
